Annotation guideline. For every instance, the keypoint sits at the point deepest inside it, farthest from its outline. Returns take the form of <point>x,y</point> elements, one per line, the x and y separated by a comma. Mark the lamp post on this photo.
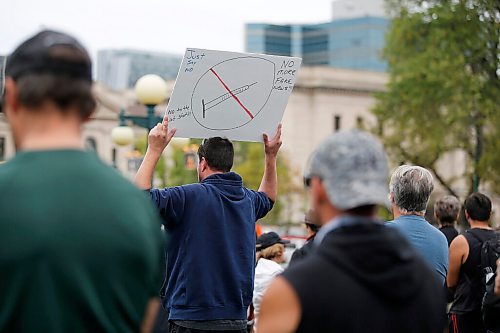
<point>150,90</point>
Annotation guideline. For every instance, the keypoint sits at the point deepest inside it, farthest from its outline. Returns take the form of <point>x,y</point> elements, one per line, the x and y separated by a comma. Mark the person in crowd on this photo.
<point>211,254</point>
<point>446,212</point>
<point>465,275</point>
<point>270,256</point>
<point>497,279</point>
<point>307,248</point>
<point>81,248</point>
<point>409,191</point>
<point>363,276</point>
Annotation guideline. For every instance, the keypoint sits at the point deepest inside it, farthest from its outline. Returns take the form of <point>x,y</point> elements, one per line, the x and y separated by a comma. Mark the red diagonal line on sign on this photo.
<point>229,91</point>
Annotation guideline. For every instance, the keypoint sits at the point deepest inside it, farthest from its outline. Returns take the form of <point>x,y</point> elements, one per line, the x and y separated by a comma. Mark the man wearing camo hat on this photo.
<point>363,276</point>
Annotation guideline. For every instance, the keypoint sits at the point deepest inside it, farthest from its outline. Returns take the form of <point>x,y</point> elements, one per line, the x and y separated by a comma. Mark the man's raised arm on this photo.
<point>158,139</point>
<point>269,184</point>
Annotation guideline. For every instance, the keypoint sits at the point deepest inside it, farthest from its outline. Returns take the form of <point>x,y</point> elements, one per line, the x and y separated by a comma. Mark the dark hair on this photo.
<point>65,89</point>
<point>308,220</point>
<point>365,210</point>
<point>478,206</point>
<point>218,152</point>
<point>312,226</point>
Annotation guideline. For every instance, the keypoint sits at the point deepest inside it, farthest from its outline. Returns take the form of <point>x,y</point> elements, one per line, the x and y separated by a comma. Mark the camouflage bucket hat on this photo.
<point>352,166</point>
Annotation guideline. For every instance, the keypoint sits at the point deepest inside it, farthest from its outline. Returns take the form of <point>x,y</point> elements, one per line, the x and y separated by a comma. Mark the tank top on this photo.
<point>470,287</point>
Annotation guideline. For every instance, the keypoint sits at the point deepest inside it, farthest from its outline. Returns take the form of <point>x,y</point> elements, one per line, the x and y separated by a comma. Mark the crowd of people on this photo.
<point>83,249</point>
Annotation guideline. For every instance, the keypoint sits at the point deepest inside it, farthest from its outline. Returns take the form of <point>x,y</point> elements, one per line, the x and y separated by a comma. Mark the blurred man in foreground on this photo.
<point>81,249</point>
<point>363,275</point>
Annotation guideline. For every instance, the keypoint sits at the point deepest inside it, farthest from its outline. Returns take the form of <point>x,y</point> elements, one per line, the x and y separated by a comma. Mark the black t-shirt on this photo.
<point>450,232</point>
<point>470,289</point>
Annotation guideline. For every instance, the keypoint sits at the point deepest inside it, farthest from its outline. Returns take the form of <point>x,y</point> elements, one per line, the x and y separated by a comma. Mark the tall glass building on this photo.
<point>354,43</point>
<point>120,69</point>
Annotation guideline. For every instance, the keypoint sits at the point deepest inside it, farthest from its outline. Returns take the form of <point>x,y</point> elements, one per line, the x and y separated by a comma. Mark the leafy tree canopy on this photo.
<point>444,88</point>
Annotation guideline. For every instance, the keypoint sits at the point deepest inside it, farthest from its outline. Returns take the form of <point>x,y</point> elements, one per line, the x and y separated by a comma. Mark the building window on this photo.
<point>380,129</point>
<point>2,148</point>
<point>360,123</point>
<point>91,144</point>
<point>113,157</point>
<point>336,123</point>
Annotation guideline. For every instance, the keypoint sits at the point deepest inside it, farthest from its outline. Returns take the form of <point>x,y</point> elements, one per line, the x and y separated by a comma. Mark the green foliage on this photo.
<point>444,88</point>
<point>249,163</point>
<point>178,174</point>
<point>160,169</point>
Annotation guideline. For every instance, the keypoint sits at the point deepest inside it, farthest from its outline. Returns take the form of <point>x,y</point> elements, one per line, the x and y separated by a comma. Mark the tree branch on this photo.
<point>444,183</point>
<point>433,169</point>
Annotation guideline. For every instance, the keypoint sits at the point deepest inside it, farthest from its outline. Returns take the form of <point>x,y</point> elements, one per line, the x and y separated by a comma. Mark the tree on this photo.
<point>444,90</point>
<point>182,169</point>
<point>249,163</point>
<point>160,169</point>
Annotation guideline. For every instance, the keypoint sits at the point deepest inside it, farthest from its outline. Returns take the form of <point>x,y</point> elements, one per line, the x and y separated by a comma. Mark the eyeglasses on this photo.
<point>307,181</point>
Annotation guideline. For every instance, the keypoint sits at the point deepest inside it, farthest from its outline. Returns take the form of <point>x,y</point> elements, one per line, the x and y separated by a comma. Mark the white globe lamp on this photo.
<point>151,89</point>
<point>122,135</point>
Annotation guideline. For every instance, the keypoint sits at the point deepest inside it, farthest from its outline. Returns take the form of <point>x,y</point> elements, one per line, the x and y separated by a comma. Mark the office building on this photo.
<point>120,69</point>
<point>354,39</point>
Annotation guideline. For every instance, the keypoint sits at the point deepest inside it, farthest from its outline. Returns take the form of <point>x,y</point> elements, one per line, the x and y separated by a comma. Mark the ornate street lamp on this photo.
<point>150,90</point>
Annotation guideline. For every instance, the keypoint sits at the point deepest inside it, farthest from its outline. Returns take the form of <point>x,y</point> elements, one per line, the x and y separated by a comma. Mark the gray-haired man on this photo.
<point>363,275</point>
<point>410,188</point>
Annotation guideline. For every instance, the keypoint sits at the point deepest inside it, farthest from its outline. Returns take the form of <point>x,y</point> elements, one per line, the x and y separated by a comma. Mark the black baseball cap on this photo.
<point>46,52</point>
<point>269,239</point>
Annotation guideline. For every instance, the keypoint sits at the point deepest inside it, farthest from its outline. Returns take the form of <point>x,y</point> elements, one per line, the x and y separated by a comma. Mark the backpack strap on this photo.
<point>476,236</point>
<point>479,242</point>
<point>486,265</point>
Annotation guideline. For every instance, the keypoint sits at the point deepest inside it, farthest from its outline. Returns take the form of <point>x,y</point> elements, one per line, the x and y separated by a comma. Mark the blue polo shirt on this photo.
<point>426,239</point>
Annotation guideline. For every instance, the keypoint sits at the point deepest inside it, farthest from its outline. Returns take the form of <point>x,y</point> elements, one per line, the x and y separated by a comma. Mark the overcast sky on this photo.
<point>154,25</point>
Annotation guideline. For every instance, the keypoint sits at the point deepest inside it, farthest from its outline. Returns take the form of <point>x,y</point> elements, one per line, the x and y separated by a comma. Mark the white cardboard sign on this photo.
<point>239,96</point>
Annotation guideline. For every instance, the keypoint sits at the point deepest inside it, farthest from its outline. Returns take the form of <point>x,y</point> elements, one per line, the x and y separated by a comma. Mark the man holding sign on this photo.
<point>211,256</point>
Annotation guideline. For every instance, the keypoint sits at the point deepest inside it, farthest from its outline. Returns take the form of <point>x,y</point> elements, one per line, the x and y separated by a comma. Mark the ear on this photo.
<point>11,94</point>
<point>391,197</point>
<point>88,118</point>
<point>467,217</point>
<point>318,191</point>
<point>203,164</point>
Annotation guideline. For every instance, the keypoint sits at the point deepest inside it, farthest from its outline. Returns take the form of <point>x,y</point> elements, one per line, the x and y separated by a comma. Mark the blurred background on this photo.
<point>421,75</point>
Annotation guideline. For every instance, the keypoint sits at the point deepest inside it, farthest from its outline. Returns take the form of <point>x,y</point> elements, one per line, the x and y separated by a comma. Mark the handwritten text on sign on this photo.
<point>235,95</point>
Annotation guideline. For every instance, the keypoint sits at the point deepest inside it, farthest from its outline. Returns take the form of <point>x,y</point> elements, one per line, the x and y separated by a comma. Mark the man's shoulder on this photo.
<point>308,266</point>
<point>253,193</point>
<point>437,234</point>
<point>393,223</point>
<point>186,189</point>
